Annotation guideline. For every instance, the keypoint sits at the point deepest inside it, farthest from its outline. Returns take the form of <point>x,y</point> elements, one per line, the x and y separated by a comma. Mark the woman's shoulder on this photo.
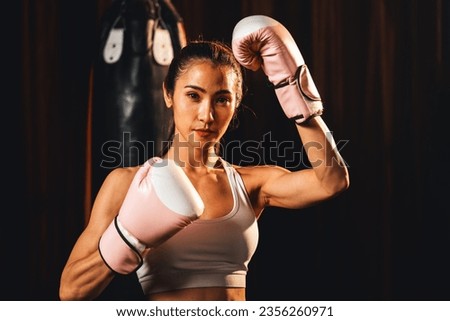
<point>120,176</point>
<point>121,173</point>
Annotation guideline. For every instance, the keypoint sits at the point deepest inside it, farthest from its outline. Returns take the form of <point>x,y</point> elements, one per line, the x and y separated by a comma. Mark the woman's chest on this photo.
<point>217,195</point>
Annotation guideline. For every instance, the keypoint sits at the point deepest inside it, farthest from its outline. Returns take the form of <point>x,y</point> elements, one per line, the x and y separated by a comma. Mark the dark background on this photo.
<point>382,69</point>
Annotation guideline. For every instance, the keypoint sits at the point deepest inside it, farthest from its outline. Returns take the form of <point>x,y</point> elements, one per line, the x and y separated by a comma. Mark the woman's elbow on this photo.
<point>337,185</point>
<point>344,184</point>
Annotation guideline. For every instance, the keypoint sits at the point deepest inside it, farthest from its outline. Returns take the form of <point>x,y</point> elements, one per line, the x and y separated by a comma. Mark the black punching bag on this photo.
<point>130,122</point>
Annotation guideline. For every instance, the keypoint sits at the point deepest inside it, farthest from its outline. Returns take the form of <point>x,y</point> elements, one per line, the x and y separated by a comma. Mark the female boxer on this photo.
<point>186,222</point>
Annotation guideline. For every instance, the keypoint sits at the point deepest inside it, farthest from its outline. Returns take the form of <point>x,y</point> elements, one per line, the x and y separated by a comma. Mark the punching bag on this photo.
<point>130,122</point>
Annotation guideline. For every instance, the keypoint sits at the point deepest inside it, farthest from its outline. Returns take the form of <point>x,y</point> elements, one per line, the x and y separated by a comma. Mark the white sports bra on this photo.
<point>207,253</point>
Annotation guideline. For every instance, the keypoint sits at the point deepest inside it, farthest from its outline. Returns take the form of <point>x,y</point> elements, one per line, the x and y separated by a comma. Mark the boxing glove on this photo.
<point>160,202</point>
<point>260,41</point>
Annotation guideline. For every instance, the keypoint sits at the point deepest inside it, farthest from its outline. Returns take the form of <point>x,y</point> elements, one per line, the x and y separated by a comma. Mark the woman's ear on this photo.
<point>167,97</point>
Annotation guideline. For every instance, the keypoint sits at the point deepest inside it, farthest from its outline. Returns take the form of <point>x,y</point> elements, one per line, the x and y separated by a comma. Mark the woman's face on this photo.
<point>203,102</point>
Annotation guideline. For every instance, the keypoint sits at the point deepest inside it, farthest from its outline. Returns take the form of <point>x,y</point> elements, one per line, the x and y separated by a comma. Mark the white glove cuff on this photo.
<point>134,242</point>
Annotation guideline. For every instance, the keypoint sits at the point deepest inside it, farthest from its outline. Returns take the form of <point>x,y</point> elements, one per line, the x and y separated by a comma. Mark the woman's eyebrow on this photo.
<point>219,92</point>
<point>195,87</point>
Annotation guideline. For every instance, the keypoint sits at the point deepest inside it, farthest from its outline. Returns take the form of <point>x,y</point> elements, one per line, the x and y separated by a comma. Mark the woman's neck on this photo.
<point>193,158</point>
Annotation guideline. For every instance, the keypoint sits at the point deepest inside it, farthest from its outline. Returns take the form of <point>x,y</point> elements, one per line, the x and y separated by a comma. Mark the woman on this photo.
<point>206,258</point>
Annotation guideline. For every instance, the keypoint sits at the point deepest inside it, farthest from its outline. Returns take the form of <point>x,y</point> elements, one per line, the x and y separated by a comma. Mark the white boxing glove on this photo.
<point>160,202</point>
<point>260,41</point>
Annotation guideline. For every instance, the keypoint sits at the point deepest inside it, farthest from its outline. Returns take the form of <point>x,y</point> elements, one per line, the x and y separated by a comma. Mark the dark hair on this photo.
<point>216,52</point>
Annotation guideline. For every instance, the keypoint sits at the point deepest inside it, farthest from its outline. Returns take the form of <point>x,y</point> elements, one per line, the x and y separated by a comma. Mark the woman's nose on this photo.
<point>206,113</point>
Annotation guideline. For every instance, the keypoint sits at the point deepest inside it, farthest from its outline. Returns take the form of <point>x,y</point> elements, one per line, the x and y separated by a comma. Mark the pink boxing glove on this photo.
<point>160,202</point>
<point>260,41</point>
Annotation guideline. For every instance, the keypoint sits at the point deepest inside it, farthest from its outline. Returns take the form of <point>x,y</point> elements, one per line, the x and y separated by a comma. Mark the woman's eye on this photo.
<point>223,100</point>
<point>193,96</point>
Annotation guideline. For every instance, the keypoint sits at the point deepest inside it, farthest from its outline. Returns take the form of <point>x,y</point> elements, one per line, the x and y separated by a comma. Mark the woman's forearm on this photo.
<point>85,279</point>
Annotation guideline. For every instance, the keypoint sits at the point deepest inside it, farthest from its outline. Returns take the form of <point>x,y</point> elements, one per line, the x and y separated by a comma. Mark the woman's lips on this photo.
<point>203,132</point>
